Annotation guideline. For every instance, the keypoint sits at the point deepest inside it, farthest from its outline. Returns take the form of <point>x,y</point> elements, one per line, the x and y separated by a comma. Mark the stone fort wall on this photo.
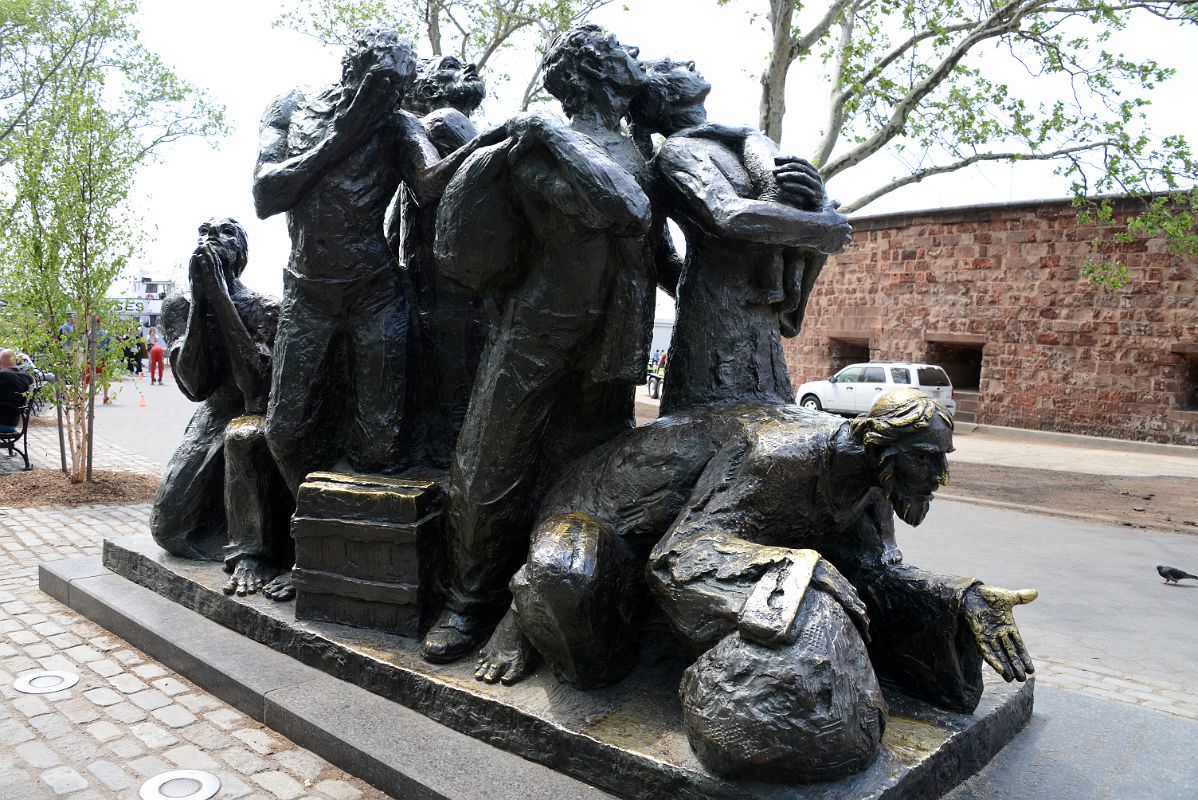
<point>995,295</point>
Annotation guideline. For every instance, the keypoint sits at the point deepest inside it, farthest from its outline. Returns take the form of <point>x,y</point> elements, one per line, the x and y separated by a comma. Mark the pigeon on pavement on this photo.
<point>1173,574</point>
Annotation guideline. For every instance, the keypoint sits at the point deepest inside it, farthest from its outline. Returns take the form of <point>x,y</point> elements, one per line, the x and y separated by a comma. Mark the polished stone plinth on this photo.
<point>626,739</point>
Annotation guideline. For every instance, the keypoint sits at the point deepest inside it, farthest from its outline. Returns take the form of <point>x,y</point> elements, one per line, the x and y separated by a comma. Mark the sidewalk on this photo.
<point>1060,452</point>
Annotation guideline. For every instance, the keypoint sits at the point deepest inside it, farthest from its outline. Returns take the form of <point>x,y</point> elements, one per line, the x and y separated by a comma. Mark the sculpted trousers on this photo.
<point>530,414</point>
<point>339,381</point>
<point>189,512</point>
<point>257,502</point>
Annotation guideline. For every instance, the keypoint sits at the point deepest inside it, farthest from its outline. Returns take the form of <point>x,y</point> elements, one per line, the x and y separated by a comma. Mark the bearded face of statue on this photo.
<point>914,468</point>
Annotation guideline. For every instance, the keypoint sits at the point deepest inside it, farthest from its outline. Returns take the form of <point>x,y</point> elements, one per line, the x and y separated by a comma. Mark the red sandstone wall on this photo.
<point>1058,354</point>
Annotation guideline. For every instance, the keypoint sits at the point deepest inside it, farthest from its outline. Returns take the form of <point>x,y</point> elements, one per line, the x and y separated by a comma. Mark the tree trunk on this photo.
<point>91,397</point>
<point>773,79</point>
<point>62,445</point>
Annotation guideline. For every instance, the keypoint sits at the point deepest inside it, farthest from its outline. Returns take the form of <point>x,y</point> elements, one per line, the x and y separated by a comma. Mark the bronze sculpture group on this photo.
<point>483,304</point>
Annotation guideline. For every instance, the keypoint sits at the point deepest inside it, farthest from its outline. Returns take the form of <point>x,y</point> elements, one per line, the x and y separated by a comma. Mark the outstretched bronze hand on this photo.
<point>990,613</point>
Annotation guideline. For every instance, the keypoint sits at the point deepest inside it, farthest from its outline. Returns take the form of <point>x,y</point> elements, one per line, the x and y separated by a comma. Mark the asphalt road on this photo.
<point>1100,597</point>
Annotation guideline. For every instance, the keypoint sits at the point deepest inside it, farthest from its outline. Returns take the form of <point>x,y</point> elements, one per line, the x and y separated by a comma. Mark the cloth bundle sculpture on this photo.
<point>483,304</point>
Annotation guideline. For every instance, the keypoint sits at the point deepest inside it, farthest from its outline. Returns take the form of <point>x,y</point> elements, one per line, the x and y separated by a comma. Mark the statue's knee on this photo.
<point>244,435</point>
<point>565,554</point>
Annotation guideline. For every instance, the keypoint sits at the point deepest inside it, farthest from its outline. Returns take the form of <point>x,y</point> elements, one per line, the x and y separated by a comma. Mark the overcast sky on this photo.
<point>229,48</point>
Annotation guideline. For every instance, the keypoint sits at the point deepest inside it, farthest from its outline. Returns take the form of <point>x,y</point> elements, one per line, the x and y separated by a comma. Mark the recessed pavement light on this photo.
<point>180,784</point>
<point>45,682</point>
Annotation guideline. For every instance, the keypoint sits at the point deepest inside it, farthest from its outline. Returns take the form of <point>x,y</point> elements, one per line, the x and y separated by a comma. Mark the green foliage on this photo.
<point>945,84</point>
<point>84,106</point>
<point>476,31</point>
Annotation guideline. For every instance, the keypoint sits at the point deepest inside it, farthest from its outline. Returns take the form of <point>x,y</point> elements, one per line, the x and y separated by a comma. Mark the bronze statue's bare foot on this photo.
<point>249,576</point>
<point>508,656</point>
<point>280,589</point>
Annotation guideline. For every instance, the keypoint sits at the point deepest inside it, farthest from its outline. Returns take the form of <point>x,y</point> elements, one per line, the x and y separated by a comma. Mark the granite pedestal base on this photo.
<point>627,739</point>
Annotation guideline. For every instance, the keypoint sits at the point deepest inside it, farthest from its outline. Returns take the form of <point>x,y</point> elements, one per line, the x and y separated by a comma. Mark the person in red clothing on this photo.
<point>157,355</point>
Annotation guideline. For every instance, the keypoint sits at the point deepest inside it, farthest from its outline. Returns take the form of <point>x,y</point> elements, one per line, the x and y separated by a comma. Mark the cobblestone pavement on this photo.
<point>129,718</point>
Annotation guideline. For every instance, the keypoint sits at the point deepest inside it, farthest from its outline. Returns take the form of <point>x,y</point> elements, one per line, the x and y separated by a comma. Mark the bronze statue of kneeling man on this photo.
<point>222,495</point>
<point>740,520</point>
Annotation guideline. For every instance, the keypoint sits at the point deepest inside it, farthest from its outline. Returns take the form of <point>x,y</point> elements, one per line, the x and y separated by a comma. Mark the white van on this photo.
<point>853,390</point>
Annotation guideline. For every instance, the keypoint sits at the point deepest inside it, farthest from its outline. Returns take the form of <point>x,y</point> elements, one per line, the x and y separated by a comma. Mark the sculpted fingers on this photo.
<point>993,655</point>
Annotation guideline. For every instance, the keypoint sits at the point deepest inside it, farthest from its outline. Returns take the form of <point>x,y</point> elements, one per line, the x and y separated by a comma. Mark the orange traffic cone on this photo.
<point>142,402</point>
<point>141,376</point>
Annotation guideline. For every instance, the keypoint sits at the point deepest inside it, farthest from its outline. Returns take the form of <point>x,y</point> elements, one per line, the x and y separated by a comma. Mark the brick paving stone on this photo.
<point>103,696</point>
<point>191,757</point>
<point>64,780</point>
<point>113,776</point>
<point>149,766</point>
<point>153,736</point>
<point>171,687</point>
<point>149,699</point>
<point>205,736</point>
<point>338,790</point>
<point>126,748</point>
<point>279,784</point>
<point>175,715</point>
<point>258,740</point>
<point>126,683</point>
<point>244,761</point>
<point>126,713</point>
<point>149,671</point>
<point>104,668</point>
<point>83,739</point>
<point>225,718</point>
<point>37,755</point>
<point>104,731</point>
<point>52,726</point>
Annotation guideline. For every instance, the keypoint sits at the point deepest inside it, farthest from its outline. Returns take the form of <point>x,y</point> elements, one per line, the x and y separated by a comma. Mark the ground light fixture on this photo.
<point>45,682</point>
<point>180,784</point>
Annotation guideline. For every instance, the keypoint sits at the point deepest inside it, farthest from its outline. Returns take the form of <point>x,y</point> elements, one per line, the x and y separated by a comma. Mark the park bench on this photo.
<point>18,441</point>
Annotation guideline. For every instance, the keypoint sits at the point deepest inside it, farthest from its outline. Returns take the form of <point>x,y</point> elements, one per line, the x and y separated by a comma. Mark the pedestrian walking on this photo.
<point>157,355</point>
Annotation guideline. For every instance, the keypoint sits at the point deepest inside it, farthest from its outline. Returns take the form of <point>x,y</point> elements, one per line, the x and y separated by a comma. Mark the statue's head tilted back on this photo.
<point>908,435</point>
<point>673,97</point>
<point>587,61</point>
<point>445,82</point>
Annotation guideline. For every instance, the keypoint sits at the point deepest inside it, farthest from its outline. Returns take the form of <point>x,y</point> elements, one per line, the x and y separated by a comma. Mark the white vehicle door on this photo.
<point>843,397</point>
<point>935,382</point>
<point>873,383</point>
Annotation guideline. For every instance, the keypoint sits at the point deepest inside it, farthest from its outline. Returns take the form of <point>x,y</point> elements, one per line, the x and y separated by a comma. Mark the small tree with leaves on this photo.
<point>85,106</point>
<point>476,31</point>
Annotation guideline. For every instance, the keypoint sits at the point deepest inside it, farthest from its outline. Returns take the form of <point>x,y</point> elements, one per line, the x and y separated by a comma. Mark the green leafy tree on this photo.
<point>946,84</point>
<point>86,107</point>
<point>476,31</point>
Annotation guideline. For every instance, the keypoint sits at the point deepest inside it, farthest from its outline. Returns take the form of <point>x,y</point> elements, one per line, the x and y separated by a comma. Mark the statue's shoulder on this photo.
<point>448,129</point>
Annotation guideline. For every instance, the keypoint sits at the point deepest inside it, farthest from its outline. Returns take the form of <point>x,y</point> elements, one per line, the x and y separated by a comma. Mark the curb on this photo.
<point>1079,440</point>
